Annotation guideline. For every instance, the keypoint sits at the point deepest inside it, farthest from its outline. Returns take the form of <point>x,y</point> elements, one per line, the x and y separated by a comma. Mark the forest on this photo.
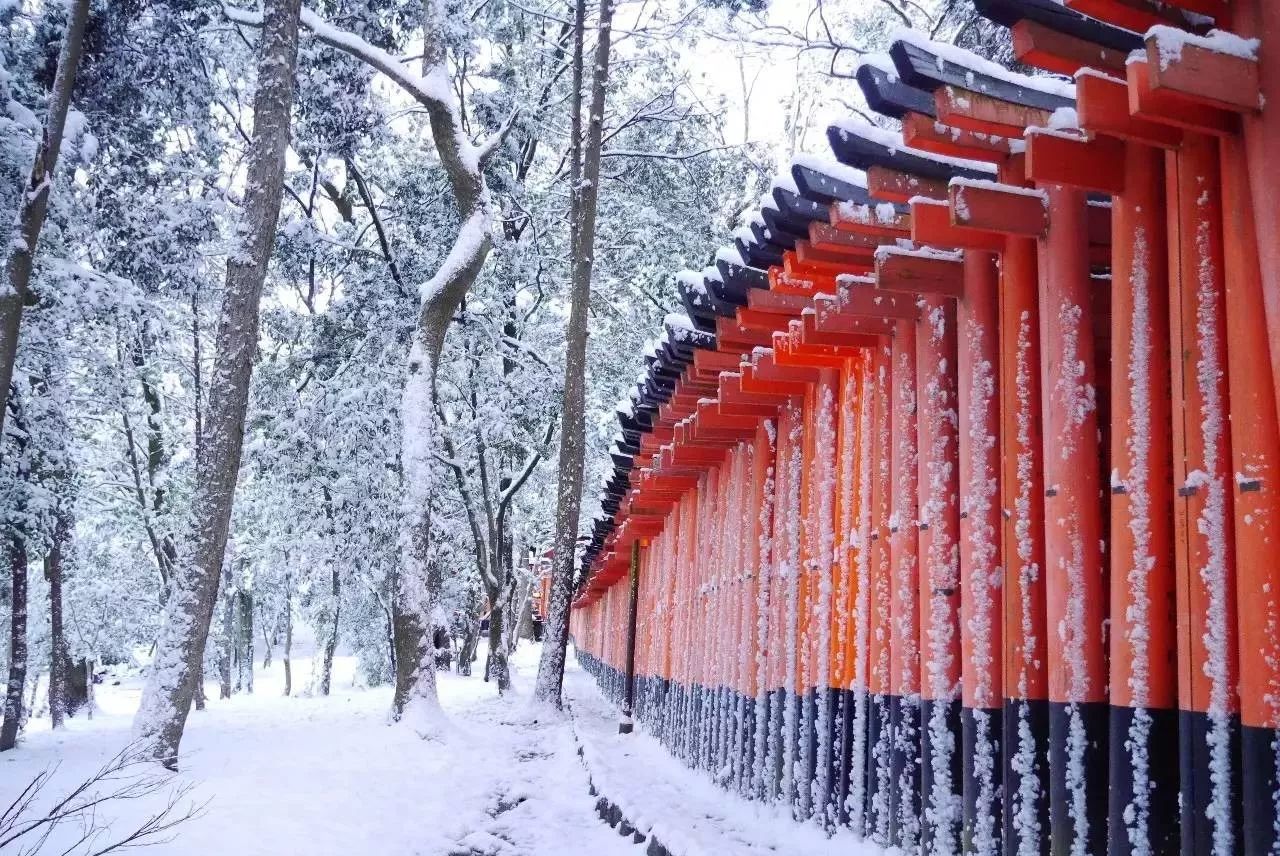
<point>315,325</point>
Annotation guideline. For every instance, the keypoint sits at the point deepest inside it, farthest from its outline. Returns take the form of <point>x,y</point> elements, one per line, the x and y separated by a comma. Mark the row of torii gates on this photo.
<point>948,511</point>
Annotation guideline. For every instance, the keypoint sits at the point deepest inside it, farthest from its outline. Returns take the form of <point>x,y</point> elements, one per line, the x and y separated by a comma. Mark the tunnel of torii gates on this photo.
<point>948,513</point>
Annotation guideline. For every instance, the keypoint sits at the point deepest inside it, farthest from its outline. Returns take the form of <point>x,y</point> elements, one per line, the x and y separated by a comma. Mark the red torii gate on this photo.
<point>814,636</point>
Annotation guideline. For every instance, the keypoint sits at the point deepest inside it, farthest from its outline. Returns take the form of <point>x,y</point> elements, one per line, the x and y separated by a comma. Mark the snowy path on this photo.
<point>683,808</point>
<point>329,776</point>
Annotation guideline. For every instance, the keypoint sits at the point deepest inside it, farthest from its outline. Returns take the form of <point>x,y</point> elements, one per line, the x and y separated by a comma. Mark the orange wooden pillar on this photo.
<point>1255,446</point>
<point>906,827</point>
<point>977,319</point>
<point>1073,531</point>
<point>761,633</point>
<point>1204,537</point>
<point>849,640</point>
<point>1261,19</point>
<point>1143,776</point>
<point>936,280</point>
<point>1143,684</point>
<point>877,449</point>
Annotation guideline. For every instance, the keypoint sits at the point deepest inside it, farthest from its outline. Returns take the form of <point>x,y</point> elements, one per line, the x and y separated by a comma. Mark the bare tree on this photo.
<point>35,198</point>
<point>170,685</point>
<point>125,777</point>
<point>585,172</point>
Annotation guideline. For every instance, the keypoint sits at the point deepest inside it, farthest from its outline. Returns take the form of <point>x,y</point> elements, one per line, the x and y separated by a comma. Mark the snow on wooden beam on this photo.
<point>1102,107</point>
<point>859,144</point>
<point>891,185</point>
<point>1002,208</point>
<point>984,114</point>
<point>1037,45</point>
<point>882,220</point>
<point>1057,158</point>
<point>1053,16</point>
<point>930,135</point>
<point>833,258</point>
<point>933,65</point>
<point>862,296</point>
<point>887,95</point>
<point>931,224</point>
<point>1161,105</point>
<point>829,317</point>
<point>920,272</point>
<point>1139,15</point>
<point>1219,71</point>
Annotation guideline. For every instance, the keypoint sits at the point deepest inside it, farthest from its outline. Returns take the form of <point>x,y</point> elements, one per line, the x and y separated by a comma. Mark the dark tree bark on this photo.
<point>245,646</point>
<point>35,198</point>
<point>331,640</point>
<point>335,604</point>
<point>288,631</point>
<point>59,660</point>
<point>573,432</point>
<point>495,663</point>
<point>16,555</point>
<point>226,636</point>
<point>170,686</point>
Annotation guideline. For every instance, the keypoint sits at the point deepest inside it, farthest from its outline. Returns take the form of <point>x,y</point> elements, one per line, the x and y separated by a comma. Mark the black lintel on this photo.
<point>925,70</point>
<point>824,189</point>
<point>765,235</point>
<point>698,307</point>
<point>863,153</point>
<point>796,212</point>
<point>887,95</point>
<point>1056,17</point>
<point>758,255</point>
<point>742,277</point>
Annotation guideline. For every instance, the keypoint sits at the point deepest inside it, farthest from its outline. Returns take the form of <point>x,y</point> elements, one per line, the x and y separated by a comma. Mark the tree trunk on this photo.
<point>226,639</point>
<point>246,641</point>
<point>412,613</point>
<point>495,662</point>
<point>288,632</point>
<point>266,644</point>
<point>573,431</point>
<point>166,700</point>
<point>59,660</point>
<point>16,549</point>
<point>198,698</point>
<point>331,641</point>
<point>78,688</point>
<point>35,198</point>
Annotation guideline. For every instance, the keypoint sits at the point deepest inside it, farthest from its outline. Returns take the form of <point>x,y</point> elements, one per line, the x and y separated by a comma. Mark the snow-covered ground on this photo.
<point>321,776</point>
<point>683,809</point>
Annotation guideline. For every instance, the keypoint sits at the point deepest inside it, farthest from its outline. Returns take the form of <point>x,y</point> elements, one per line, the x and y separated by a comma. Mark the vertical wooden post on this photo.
<point>977,318</point>
<point>1255,448</point>
<point>629,686</point>
<point>1261,19</point>
<point>1026,690</point>
<point>939,529</point>
<point>904,697</point>
<point>1073,532</point>
<point>1143,775</point>
<point>1203,516</point>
